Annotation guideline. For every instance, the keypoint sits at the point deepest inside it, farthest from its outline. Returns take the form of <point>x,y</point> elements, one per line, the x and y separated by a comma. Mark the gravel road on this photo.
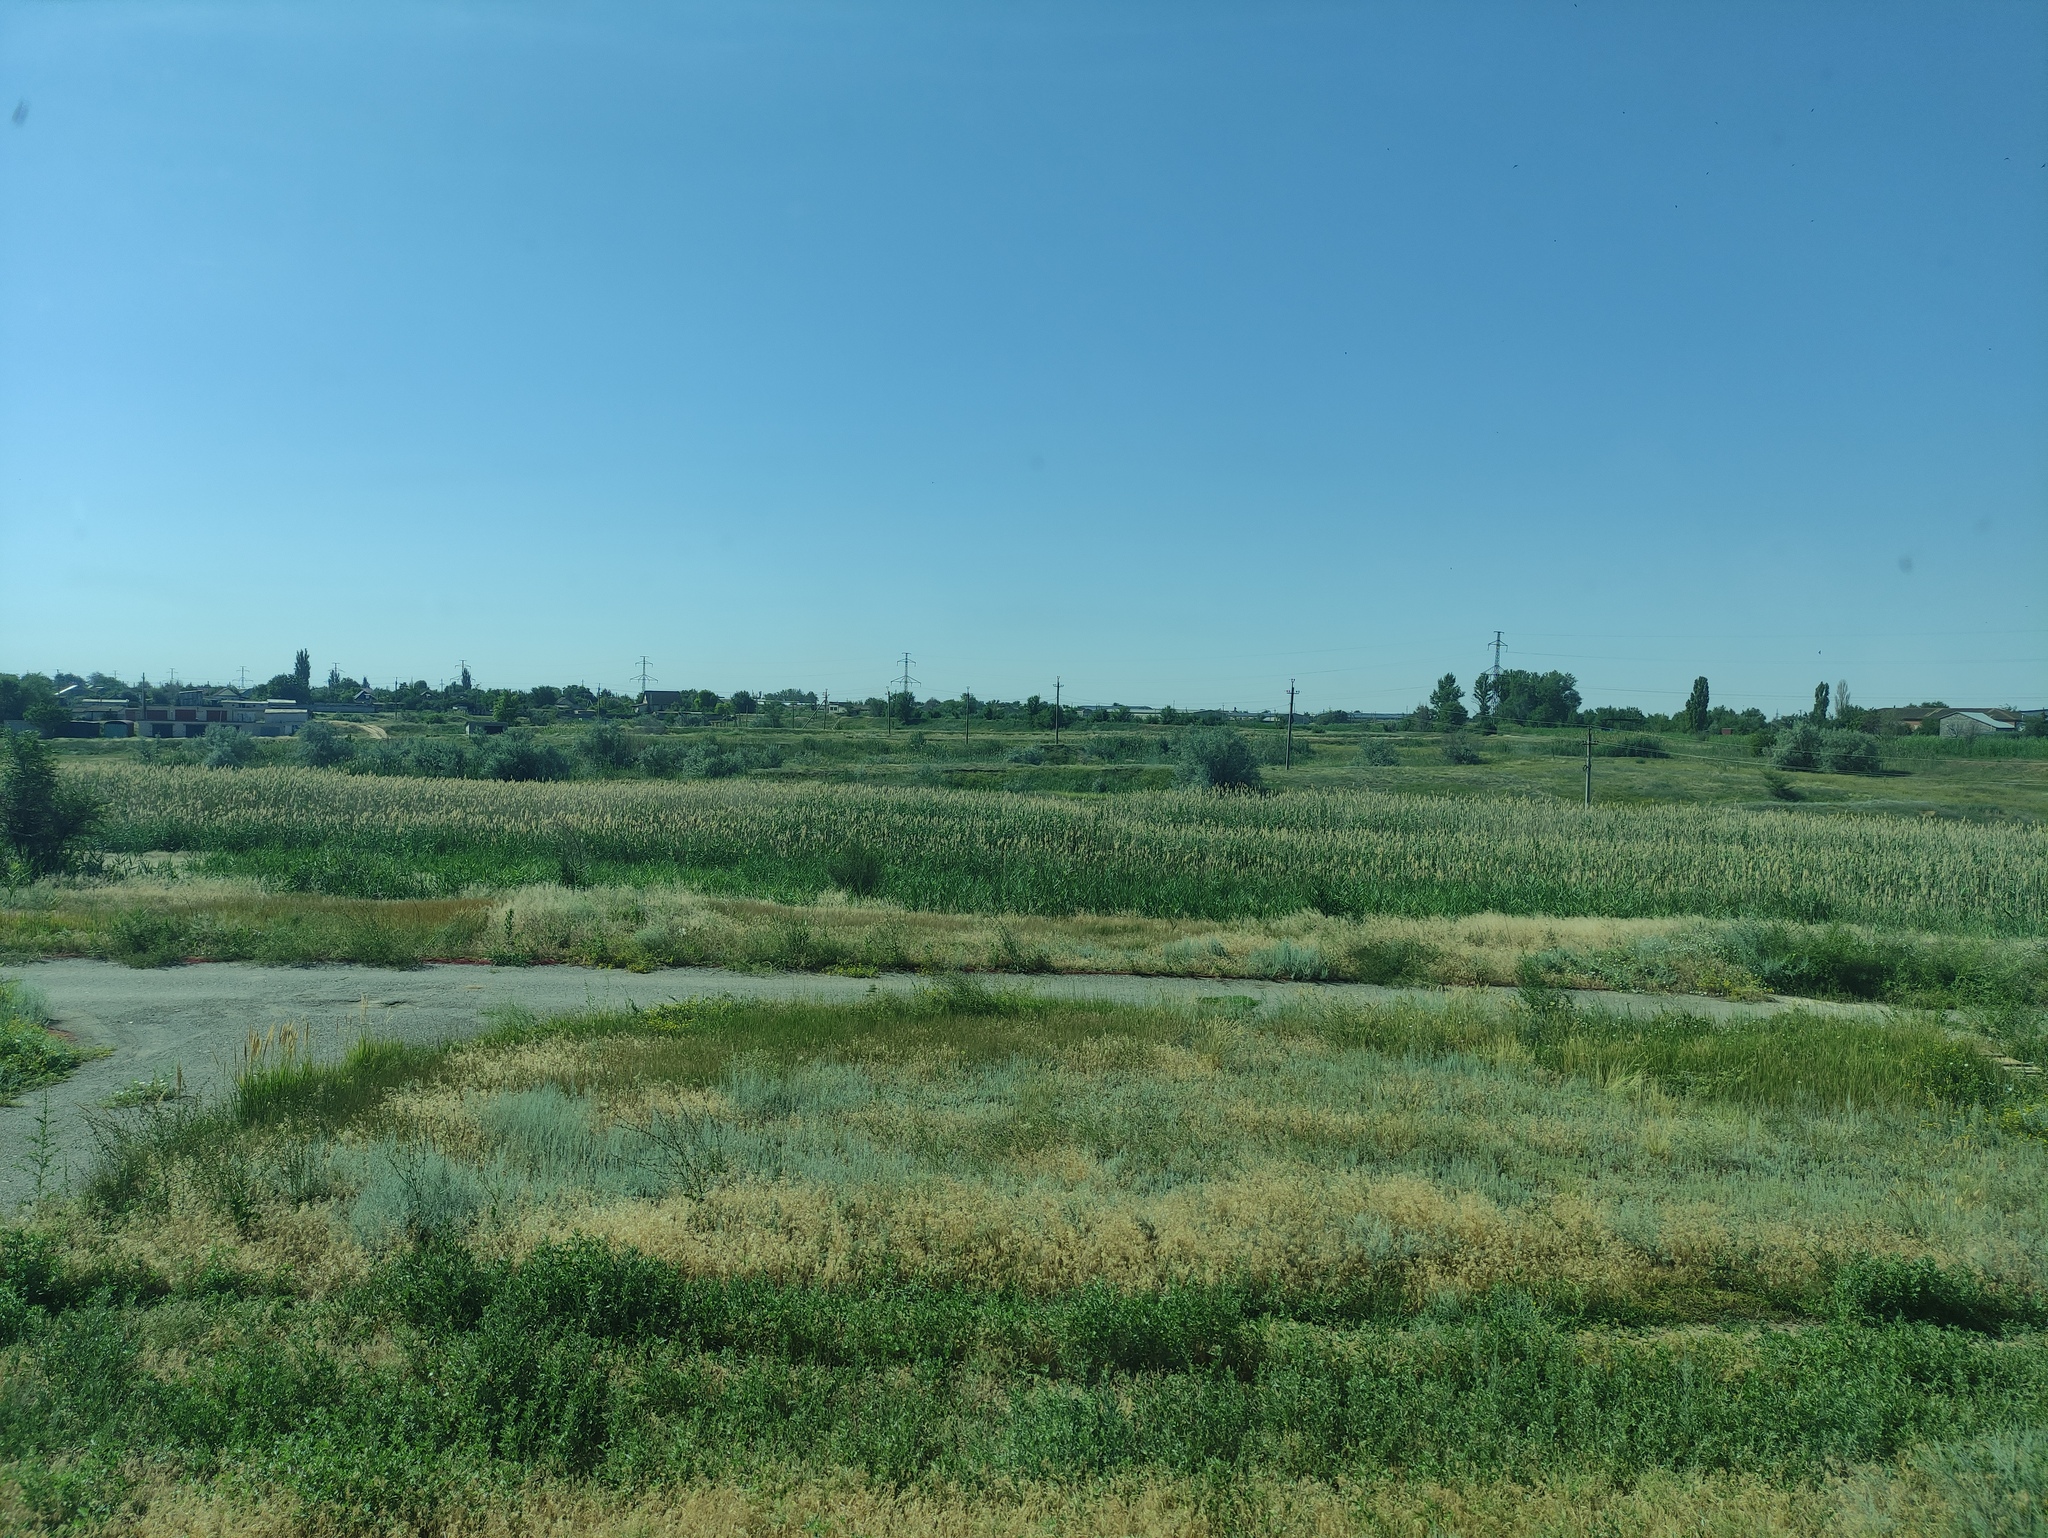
<point>197,1018</point>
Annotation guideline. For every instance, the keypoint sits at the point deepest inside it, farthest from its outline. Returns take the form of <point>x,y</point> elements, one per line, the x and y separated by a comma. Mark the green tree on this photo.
<point>45,823</point>
<point>302,670</point>
<point>1537,699</point>
<point>1447,704</point>
<point>1696,705</point>
<point>1820,705</point>
<point>1485,696</point>
<point>505,707</point>
<point>32,698</point>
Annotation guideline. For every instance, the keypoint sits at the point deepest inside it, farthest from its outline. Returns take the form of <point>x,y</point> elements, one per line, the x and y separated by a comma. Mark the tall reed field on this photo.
<point>1162,854</point>
<point>968,1261</point>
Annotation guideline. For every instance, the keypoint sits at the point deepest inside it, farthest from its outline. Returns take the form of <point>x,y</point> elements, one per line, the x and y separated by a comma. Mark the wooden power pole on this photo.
<point>1290,725</point>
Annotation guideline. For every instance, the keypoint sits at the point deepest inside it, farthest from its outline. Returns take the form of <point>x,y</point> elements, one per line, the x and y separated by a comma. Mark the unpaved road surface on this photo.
<point>199,1018</point>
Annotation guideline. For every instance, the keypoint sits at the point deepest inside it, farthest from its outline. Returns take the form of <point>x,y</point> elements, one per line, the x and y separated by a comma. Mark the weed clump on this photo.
<point>31,1056</point>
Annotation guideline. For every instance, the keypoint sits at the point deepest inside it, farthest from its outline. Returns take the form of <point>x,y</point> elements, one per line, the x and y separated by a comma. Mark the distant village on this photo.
<point>101,706</point>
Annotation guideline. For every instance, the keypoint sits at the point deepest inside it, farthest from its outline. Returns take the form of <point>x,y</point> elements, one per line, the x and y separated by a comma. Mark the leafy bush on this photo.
<point>1829,751</point>
<point>1216,758</point>
<point>1797,747</point>
<point>46,825</point>
<point>666,760</point>
<point>227,748</point>
<point>322,745</point>
<point>1458,749</point>
<point>521,756</point>
<point>1843,752</point>
<point>606,746</point>
<point>1378,754</point>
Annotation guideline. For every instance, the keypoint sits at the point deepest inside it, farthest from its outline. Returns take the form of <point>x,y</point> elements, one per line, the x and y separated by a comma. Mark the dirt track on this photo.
<point>198,1017</point>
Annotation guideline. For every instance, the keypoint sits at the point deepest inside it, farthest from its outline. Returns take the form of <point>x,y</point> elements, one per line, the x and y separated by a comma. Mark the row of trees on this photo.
<point>1518,697</point>
<point>1514,696</point>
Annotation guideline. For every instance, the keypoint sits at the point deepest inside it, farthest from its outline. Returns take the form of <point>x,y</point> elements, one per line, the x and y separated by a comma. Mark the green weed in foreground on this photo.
<point>587,1363</point>
<point>1164,854</point>
<point>30,1055</point>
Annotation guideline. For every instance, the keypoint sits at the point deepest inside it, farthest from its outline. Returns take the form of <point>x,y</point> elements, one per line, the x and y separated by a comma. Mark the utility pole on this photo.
<point>1290,725</point>
<point>1589,766</point>
<point>1055,712</point>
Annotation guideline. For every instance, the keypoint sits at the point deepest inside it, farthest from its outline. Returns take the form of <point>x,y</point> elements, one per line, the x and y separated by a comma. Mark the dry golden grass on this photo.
<point>1149,1148</point>
<point>630,924</point>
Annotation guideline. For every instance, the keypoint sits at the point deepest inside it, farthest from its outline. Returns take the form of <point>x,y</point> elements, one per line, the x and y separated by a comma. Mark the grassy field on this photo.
<point>969,1263</point>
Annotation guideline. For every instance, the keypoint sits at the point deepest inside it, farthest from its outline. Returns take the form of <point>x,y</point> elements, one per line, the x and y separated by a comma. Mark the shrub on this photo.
<point>227,748</point>
<point>1458,749</point>
<point>321,745</point>
<point>45,825</point>
<point>1844,752</point>
<point>715,763</point>
<point>1216,758</point>
<point>1797,748</point>
<point>666,760</point>
<point>856,869</point>
<point>1635,745</point>
<point>1831,751</point>
<point>416,1194</point>
<point>1378,754</point>
<point>520,756</point>
<point>606,746</point>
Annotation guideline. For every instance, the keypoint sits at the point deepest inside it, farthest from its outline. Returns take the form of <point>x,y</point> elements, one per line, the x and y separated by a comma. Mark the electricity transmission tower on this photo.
<point>1496,661</point>
<point>906,700</point>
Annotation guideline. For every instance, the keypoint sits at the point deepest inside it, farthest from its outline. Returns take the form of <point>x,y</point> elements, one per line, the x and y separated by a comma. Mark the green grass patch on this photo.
<point>31,1055</point>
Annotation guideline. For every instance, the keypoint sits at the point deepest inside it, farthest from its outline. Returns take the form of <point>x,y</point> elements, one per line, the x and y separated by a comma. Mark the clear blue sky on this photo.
<point>1173,349</point>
